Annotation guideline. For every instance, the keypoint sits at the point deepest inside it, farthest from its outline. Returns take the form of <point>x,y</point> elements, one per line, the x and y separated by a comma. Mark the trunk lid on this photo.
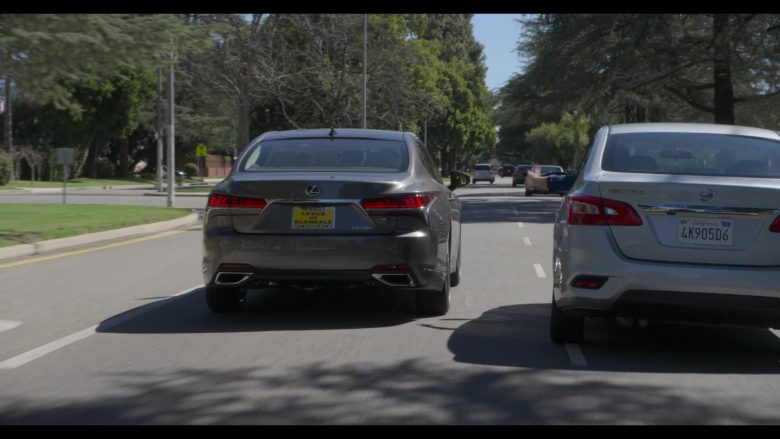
<point>697,219</point>
<point>314,202</point>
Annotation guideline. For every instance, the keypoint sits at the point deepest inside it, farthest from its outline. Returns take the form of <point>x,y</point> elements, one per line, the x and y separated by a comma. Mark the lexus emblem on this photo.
<point>313,190</point>
<point>706,195</point>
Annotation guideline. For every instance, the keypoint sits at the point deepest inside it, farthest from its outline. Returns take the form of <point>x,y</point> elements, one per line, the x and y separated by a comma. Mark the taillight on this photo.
<point>775,227</point>
<point>412,201</point>
<point>223,200</point>
<point>594,211</point>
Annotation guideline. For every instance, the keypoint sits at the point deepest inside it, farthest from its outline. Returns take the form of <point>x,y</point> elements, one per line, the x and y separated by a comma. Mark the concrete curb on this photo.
<point>24,250</point>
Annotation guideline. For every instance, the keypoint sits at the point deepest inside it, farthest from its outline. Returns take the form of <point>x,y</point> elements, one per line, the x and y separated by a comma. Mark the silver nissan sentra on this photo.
<point>673,222</point>
<point>333,207</point>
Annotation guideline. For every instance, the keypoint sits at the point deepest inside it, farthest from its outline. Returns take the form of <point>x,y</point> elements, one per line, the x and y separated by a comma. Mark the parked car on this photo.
<point>506,170</point>
<point>670,221</point>
<point>320,207</point>
<point>536,178</point>
<point>518,176</point>
<point>484,172</point>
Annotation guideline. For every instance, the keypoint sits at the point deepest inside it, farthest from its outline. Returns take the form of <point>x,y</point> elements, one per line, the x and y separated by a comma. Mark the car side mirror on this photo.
<point>458,179</point>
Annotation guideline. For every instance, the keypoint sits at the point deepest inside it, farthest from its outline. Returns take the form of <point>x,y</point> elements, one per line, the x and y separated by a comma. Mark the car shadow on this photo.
<point>518,336</point>
<point>275,309</point>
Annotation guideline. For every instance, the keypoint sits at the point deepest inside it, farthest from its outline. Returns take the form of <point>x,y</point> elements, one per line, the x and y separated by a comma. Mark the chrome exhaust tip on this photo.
<point>231,279</point>
<point>394,279</point>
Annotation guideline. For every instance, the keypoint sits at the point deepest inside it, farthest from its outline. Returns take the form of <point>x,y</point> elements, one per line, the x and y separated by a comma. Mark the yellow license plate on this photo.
<point>314,218</point>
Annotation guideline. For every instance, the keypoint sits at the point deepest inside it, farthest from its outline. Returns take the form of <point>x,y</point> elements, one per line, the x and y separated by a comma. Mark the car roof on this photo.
<point>704,128</point>
<point>340,133</point>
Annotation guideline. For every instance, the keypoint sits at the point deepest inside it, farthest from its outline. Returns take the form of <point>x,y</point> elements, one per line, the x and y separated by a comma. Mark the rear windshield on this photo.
<point>482,167</point>
<point>692,154</point>
<point>341,155</point>
<point>549,169</point>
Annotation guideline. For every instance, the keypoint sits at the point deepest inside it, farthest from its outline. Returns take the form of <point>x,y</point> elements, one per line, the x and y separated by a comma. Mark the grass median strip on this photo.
<point>26,223</point>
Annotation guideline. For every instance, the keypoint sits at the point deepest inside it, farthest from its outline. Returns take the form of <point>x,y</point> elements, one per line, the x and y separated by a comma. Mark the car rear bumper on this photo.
<point>658,290</point>
<point>320,260</point>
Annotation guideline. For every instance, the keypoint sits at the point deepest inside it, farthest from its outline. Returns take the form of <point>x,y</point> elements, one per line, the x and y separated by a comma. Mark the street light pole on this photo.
<point>171,141</point>
<point>365,64</point>
<point>158,134</point>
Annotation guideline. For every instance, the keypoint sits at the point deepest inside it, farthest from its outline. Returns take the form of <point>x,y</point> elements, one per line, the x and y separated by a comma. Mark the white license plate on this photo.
<point>707,231</point>
<point>314,218</point>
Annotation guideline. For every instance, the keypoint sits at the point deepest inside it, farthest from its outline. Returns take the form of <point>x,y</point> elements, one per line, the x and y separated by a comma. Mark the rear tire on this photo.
<point>491,181</point>
<point>225,299</point>
<point>455,277</point>
<point>514,184</point>
<point>435,303</point>
<point>528,193</point>
<point>564,328</point>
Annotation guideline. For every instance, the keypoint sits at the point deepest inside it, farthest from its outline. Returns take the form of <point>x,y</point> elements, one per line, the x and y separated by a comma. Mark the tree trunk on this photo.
<point>124,156</point>
<point>724,91</point>
<point>90,167</point>
<point>9,133</point>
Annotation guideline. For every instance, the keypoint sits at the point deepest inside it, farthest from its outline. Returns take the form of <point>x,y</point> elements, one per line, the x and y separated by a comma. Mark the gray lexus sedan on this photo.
<point>333,207</point>
<point>673,222</point>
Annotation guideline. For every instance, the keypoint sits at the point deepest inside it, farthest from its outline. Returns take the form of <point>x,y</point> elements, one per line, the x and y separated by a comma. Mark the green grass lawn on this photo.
<point>26,223</point>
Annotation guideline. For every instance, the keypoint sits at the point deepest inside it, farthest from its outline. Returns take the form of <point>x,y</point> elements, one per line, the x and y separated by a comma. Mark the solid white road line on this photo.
<point>576,356</point>
<point>539,271</point>
<point>527,241</point>
<point>22,359</point>
<point>8,324</point>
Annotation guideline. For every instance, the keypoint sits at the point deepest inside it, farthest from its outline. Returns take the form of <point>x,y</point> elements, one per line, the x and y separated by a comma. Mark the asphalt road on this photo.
<point>123,336</point>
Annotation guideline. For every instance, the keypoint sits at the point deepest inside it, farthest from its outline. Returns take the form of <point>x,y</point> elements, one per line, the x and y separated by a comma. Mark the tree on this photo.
<point>646,67</point>
<point>85,49</point>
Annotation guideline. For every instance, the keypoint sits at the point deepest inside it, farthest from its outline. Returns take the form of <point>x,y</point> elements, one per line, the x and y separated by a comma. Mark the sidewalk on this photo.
<point>71,242</point>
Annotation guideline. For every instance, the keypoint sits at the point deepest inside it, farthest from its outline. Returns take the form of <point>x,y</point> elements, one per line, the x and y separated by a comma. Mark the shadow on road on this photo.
<point>517,336</point>
<point>403,392</point>
<point>269,310</point>
<point>483,210</point>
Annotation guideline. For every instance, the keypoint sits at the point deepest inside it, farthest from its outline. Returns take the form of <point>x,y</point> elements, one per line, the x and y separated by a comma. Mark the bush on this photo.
<point>191,169</point>
<point>105,169</point>
<point>5,169</point>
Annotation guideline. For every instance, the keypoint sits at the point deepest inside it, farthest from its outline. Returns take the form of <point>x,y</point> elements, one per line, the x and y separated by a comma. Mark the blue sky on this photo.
<point>499,34</point>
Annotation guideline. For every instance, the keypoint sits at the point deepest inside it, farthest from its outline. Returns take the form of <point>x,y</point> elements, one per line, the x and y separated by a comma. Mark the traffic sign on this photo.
<point>200,150</point>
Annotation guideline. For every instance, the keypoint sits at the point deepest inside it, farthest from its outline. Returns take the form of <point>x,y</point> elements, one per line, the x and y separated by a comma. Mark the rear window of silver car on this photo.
<point>692,154</point>
<point>482,168</point>
<point>329,155</point>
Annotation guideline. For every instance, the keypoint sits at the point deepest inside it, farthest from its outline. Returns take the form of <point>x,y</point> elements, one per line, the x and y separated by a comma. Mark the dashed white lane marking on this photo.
<point>5,325</point>
<point>539,271</point>
<point>527,241</point>
<point>22,359</point>
<point>576,356</point>
<point>520,225</point>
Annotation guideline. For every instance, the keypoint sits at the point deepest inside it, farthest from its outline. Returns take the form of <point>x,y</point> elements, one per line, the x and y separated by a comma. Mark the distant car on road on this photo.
<point>484,172</point>
<point>536,178</point>
<point>321,207</point>
<point>518,175</point>
<point>506,170</point>
<point>670,221</point>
